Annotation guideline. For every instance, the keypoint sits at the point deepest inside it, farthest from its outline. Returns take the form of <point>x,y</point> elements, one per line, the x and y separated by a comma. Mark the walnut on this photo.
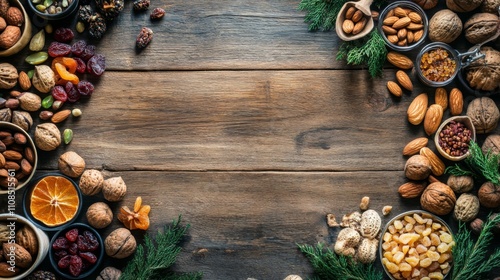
<point>109,273</point>
<point>14,16</point>
<point>491,144</point>
<point>4,233</point>
<point>23,119</point>
<point>30,102</point>
<point>22,257</point>
<point>460,184</point>
<point>8,76</point>
<point>484,114</point>
<point>484,73</point>
<point>114,189</point>
<point>71,164</point>
<point>445,26</point>
<point>99,215</point>
<point>91,182</point>
<point>47,136</point>
<point>5,114</point>
<point>120,243</point>
<point>466,207</point>
<point>438,198</point>
<point>461,6</point>
<point>4,6</point>
<point>417,167</point>
<point>489,195</point>
<point>43,78</point>
<point>26,237</point>
<point>490,6</point>
<point>426,4</point>
<point>480,27</point>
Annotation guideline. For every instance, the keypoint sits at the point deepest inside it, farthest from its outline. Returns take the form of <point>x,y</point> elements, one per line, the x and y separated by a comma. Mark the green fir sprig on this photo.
<point>473,259</point>
<point>482,166</point>
<point>154,258</point>
<point>328,265</point>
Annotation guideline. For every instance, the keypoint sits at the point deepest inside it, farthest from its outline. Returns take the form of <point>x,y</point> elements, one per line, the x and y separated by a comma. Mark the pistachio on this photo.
<point>67,136</point>
<point>37,58</point>
<point>47,101</point>
<point>38,41</point>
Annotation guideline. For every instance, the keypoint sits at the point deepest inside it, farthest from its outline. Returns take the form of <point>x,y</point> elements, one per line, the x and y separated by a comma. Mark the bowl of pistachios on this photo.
<point>53,9</point>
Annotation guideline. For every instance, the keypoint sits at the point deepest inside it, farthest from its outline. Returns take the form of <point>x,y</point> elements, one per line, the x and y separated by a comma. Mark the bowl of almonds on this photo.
<point>403,25</point>
<point>18,158</point>
<point>416,245</point>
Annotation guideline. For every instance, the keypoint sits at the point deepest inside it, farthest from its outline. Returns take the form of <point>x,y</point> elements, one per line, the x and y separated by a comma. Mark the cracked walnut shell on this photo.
<point>71,164</point>
<point>438,198</point>
<point>91,182</point>
<point>47,136</point>
<point>114,189</point>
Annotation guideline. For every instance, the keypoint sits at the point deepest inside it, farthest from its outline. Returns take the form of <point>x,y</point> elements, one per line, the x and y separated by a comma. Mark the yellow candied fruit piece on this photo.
<point>426,241</point>
<point>435,240</point>
<point>410,220</point>
<point>398,276</point>
<point>412,252</point>
<point>406,274</point>
<point>415,273</point>
<point>413,261</point>
<point>404,267</point>
<point>419,228</point>
<point>405,249</point>
<point>446,270</point>
<point>444,257</point>
<point>391,267</point>
<point>386,246</point>
<point>418,218</point>
<point>425,262</point>
<point>443,247</point>
<point>387,237</point>
<point>395,250</point>
<point>445,237</point>
<point>392,229</point>
<point>427,231</point>
<point>398,224</point>
<point>408,238</point>
<point>409,227</point>
<point>425,278</point>
<point>436,275</point>
<point>388,256</point>
<point>434,256</point>
<point>444,265</point>
<point>398,257</point>
<point>421,249</point>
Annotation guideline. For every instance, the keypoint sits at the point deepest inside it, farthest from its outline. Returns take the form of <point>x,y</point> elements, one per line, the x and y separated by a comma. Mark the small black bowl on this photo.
<point>72,7</point>
<point>462,78</point>
<point>99,252</point>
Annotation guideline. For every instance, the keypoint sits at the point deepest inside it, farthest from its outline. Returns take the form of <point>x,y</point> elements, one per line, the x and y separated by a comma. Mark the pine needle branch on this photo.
<point>471,259</point>
<point>328,265</point>
<point>483,166</point>
<point>154,258</point>
<point>321,14</point>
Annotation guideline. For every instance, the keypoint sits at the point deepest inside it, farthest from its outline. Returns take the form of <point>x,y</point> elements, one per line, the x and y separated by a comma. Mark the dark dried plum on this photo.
<point>88,256</point>
<point>82,243</point>
<point>96,65</point>
<point>64,262</point>
<point>59,93</point>
<point>82,66</point>
<point>92,242</point>
<point>78,48</point>
<point>75,265</point>
<point>63,35</point>
<point>59,49</point>
<point>73,249</point>
<point>73,94</point>
<point>85,88</point>
<point>88,52</point>
<point>60,253</point>
<point>60,243</point>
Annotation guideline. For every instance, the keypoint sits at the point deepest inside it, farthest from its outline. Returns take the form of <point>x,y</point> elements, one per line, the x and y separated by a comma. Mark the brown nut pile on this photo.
<point>17,158</point>
<point>403,26</point>
<point>354,22</point>
<point>11,20</point>
<point>24,251</point>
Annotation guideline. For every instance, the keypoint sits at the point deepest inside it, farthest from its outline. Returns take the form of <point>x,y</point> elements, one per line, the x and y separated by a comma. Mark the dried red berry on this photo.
<point>57,49</point>
<point>73,249</point>
<point>60,243</point>
<point>85,88</point>
<point>88,52</point>
<point>157,13</point>
<point>64,262</point>
<point>78,48</point>
<point>63,35</point>
<point>88,256</point>
<point>144,38</point>
<point>75,265</point>
<point>59,93</point>
<point>81,65</point>
<point>71,234</point>
<point>96,65</point>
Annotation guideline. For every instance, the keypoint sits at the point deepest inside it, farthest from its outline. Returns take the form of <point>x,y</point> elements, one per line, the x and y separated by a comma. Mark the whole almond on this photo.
<point>412,189</point>
<point>19,138</point>
<point>441,97</point>
<point>2,161</point>
<point>410,37</point>
<point>417,35</point>
<point>60,116</point>
<point>402,43</point>
<point>401,23</point>
<point>347,26</point>
<point>404,80</point>
<point>12,165</point>
<point>26,167</point>
<point>358,15</point>
<point>12,155</point>
<point>29,154</point>
<point>389,30</point>
<point>4,173</point>
<point>415,17</point>
<point>22,257</point>
<point>402,34</point>
<point>393,39</point>
<point>394,88</point>
<point>350,12</point>
<point>456,102</point>
<point>414,146</point>
<point>24,80</point>
<point>414,26</point>
<point>399,12</point>
<point>399,60</point>
<point>359,26</point>
<point>437,165</point>
<point>433,118</point>
<point>390,20</point>
<point>6,270</point>
<point>417,109</point>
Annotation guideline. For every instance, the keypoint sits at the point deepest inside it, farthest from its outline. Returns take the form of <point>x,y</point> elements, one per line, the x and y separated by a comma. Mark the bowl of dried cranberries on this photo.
<point>76,251</point>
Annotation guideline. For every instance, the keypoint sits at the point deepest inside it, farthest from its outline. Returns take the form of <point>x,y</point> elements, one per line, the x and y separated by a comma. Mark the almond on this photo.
<point>402,33</point>
<point>410,37</point>
<point>389,30</point>
<point>6,270</point>
<point>390,20</point>
<point>394,88</point>
<point>414,146</point>
<point>417,109</point>
<point>402,43</point>
<point>399,12</point>
<point>437,165</point>
<point>433,118</point>
<point>358,15</point>
<point>412,189</point>
<point>456,102</point>
<point>415,17</point>
<point>401,23</point>
<point>347,26</point>
<point>417,35</point>
<point>414,26</point>
<point>24,80</point>
<point>60,116</point>
<point>404,80</point>
<point>359,26</point>
<point>399,60</point>
<point>393,38</point>
<point>441,97</point>
<point>12,155</point>
<point>350,12</point>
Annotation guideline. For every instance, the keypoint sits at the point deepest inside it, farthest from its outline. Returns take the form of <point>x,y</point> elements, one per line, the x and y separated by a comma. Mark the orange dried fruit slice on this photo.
<point>136,219</point>
<point>54,201</point>
<point>64,74</point>
<point>67,62</point>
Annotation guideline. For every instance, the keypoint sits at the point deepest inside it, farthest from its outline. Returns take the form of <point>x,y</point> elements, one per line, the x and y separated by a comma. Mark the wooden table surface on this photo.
<point>242,121</point>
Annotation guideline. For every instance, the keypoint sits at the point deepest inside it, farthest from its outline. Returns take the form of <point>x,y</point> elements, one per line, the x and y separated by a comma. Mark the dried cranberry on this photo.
<point>88,52</point>
<point>75,265</point>
<point>73,249</point>
<point>78,48</point>
<point>64,35</point>
<point>96,65</point>
<point>88,256</point>
<point>59,93</point>
<point>64,262</point>
<point>60,243</point>
<point>60,253</point>
<point>71,234</point>
<point>59,49</point>
<point>92,241</point>
<point>73,94</point>
<point>82,66</point>
<point>85,88</point>
<point>82,243</point>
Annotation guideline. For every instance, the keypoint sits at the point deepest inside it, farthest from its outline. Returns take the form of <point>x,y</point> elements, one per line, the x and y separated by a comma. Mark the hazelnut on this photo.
<point>109,273</point>
<point>476,226</point>
<point>91,182</point>
<point>120,243</point>
<point>489,195</point>
<point>47,136</point>
<point>71,164</point>
<point>99,215</point>
<point>114,189</point>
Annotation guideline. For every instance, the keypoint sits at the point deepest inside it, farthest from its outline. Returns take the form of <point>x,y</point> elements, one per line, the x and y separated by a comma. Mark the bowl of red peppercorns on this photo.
<point>453,137</point>
<point>76,251</point>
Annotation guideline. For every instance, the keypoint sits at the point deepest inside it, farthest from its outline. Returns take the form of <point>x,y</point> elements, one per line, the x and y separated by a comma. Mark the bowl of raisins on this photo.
<point>76,251</point>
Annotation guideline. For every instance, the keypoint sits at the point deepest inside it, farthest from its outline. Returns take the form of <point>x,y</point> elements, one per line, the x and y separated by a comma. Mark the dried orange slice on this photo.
<point>54,201</point>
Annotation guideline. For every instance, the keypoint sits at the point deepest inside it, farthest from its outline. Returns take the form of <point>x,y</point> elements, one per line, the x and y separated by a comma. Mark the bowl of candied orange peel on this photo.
<point>416,245</point>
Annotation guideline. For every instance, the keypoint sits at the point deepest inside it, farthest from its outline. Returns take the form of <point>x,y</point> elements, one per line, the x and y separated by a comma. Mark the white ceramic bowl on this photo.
<point>43,243</point>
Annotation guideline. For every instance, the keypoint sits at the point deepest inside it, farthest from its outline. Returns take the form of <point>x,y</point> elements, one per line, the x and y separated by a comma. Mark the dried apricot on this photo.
<point>65,75</point>
<point>136,219</point>
<point>70,63</point>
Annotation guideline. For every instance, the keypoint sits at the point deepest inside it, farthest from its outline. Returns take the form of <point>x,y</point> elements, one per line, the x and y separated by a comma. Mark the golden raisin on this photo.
<point>437,65</point>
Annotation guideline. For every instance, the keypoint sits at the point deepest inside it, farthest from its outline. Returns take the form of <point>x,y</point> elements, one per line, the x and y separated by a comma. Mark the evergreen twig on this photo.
<point>321,14</point>
<point>154,258</point>
<point>471,259</point>
<point>327,265</point>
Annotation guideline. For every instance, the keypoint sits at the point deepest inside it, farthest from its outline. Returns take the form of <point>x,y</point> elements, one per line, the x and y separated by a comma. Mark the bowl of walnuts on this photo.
<point>15,27</point>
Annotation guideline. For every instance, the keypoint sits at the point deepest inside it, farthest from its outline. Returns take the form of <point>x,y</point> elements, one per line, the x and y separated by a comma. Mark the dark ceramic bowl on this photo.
<point>27,202</point>
<point>462,78</point>
<point>99,252</point>
<point>70,9</point>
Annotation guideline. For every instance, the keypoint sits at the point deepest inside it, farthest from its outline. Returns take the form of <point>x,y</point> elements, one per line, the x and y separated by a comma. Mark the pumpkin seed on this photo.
<point>37,58</point>
<point>38,41</point>
<point>47,101</point>
<point>67,135</point>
